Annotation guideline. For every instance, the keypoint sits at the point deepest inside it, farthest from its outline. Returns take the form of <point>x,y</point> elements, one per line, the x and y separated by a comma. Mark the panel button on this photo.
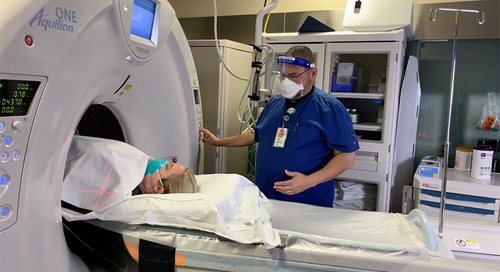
<point>7,141</point>
<point>4,156</point>
<point>4,212</point>
<point>4,179</point>
<point>17,124</point>
<point>2,126</point>
<point>16,154</point>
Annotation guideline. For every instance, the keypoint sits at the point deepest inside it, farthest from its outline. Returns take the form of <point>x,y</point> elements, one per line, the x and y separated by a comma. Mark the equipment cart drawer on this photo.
<point>459,205</point>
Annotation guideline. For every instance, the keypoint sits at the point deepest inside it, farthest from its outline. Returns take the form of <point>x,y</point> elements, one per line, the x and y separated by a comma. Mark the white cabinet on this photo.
<point>376,64</point>
<point>221,94</point>
<point>372,88</point>
<point>467,198</point>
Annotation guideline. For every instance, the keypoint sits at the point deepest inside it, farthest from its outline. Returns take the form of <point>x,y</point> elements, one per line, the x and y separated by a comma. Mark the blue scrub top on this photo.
<point>319,126</point>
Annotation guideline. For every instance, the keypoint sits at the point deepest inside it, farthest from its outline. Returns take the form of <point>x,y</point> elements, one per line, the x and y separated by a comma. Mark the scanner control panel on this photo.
<point>19,97</point>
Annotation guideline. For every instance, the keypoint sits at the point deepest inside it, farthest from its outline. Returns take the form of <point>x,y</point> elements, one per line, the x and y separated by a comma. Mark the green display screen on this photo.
<point>16,96</point>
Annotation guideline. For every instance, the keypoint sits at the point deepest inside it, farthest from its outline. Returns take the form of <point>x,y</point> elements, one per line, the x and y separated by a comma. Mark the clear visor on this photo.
<point>291,67</point>
<point>288,67</point>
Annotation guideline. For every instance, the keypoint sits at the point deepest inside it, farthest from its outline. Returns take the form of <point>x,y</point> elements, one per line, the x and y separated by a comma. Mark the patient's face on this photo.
<point>171,169</point>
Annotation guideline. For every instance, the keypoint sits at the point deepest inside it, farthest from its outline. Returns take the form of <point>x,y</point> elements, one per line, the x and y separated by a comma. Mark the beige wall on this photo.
<point>241,28</point>
<point>204,8</point>
<point>444,27</point>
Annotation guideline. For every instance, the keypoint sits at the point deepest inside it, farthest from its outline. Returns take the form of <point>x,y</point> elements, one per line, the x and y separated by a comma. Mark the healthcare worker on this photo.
<point>305,136</point>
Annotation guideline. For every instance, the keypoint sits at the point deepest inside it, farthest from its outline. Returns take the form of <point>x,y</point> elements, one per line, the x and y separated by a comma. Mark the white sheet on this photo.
<point>363,231</point>
<point>228,205</point>
<point>101,173</point>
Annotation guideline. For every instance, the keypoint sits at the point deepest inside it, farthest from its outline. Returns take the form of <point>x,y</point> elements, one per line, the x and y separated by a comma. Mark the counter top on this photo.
<point>461,182</point>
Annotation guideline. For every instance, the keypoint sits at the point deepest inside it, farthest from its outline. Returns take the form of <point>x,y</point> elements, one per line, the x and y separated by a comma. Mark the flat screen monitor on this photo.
<point>143,15</point>
<point>16,96</point>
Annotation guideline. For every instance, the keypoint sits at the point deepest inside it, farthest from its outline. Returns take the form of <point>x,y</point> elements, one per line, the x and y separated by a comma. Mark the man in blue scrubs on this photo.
<point>305,136</point>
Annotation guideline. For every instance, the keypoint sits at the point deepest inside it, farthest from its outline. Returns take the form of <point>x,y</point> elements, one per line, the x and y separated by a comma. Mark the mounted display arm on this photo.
<point>258,21</point>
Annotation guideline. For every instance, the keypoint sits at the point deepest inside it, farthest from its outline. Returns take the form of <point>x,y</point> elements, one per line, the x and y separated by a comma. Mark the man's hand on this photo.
<point>297,184</point>
<point>209,137</point>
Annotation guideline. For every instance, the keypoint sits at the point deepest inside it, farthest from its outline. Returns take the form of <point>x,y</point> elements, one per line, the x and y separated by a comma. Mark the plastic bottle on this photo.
<point>463,157</point>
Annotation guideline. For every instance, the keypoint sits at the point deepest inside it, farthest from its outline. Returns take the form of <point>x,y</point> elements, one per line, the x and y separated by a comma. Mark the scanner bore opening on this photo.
<point>100,249</point>
<point>99,121</point>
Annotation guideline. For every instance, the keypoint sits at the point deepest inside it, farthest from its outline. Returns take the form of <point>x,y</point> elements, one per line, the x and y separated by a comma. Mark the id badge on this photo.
<point>280,138</point>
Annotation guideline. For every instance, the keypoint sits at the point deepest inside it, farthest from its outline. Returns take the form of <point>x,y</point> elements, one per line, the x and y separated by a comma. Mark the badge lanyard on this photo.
<point>282,132</point>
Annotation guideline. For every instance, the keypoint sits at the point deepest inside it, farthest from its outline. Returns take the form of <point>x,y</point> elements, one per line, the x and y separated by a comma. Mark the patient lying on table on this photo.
<point>101,175</point>
<point>164,177</point>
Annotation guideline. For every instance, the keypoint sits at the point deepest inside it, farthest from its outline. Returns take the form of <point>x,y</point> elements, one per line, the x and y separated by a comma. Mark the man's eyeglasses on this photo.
<point>292,76</point>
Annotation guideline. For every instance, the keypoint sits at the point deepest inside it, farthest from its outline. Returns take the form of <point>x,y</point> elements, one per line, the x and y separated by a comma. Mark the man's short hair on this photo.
<point>300,51</point>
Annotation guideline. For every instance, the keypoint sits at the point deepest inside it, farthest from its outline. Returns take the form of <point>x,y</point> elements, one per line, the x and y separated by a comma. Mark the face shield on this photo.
<point>288,76</point>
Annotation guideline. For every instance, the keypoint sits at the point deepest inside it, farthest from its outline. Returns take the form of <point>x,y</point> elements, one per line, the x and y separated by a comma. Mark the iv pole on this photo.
<point>433,16</point>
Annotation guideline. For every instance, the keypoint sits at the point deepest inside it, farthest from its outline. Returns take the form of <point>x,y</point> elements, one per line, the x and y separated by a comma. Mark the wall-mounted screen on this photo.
<point>143,15</point>
<point>16,96</point>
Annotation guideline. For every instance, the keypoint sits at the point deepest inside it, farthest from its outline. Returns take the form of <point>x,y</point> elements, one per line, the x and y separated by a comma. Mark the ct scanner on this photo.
<point>82,53</point>
<point>83,66</point>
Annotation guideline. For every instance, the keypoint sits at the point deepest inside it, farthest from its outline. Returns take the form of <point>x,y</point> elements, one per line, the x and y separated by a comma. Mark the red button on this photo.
<point>28,40</point>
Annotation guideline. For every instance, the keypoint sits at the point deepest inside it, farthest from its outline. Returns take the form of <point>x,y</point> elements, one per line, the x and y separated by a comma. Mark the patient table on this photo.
<point>301,248</point>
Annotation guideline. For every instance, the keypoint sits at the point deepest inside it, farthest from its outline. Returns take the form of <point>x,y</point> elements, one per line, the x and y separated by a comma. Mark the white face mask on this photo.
<point>290,89</point>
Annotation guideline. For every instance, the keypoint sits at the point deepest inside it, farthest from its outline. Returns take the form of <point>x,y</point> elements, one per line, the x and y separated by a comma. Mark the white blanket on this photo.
<point>101,173</point>
<point>228,205</point>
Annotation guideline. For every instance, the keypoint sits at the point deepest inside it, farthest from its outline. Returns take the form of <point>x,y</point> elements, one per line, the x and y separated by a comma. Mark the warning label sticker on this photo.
<point>467,243</point>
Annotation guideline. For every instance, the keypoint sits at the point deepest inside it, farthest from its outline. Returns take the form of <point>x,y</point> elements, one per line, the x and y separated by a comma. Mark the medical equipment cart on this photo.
<point>472,223</point>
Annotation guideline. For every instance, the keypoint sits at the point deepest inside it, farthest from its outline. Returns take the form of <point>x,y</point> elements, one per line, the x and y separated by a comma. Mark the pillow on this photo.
<point>101,173</point>
<point>228,205</point>
<point>227,192</point>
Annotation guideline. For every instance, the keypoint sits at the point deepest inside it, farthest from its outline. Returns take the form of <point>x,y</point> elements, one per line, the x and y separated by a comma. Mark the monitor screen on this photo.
<point>143,15</point>
<point>16,96</point>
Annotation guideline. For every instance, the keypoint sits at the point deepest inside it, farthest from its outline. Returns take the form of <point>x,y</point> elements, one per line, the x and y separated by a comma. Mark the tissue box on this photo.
<point>430,166</point>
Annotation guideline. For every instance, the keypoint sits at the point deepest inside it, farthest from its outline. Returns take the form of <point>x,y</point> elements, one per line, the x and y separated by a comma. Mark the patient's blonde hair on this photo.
<point>182,183</point>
